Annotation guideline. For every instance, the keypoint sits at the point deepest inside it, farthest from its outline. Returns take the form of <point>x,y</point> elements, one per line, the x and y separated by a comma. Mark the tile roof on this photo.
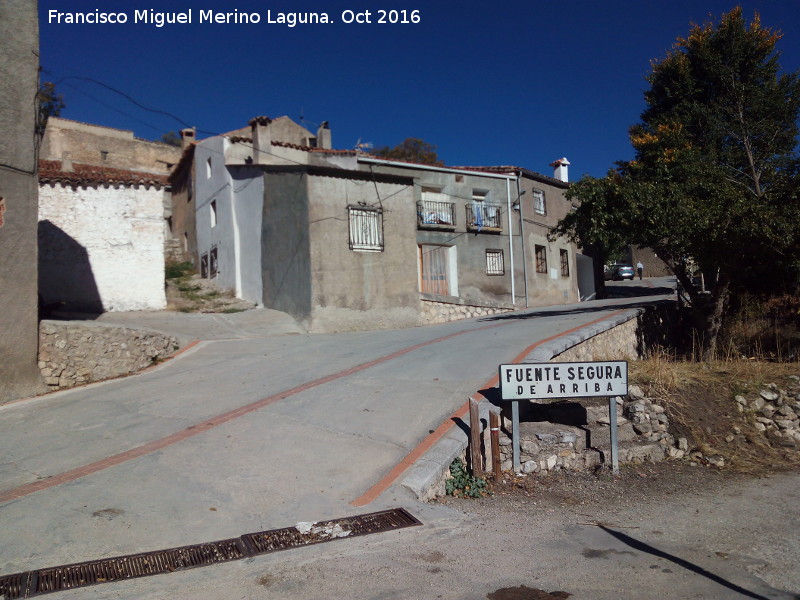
<point>317,150</point>
<point>522,170</point>
<point>50,171</point>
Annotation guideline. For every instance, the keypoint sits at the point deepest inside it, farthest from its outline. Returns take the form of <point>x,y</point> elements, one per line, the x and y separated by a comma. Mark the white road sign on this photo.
<point>540,381</point>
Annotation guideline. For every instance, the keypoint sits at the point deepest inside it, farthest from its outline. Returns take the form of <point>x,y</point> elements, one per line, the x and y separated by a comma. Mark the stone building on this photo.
<point>482,236</point>
<point>101,146</point>
<point>101,237</point>
<point>183,230</point>
<point>19,64</point>
<point>346,241</point>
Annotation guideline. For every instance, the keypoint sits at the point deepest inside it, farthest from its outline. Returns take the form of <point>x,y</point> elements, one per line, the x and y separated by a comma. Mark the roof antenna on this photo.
<point>305,123</point>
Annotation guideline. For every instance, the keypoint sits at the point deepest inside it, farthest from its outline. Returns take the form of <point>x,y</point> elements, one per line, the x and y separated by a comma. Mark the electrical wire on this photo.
<point>500,211</point>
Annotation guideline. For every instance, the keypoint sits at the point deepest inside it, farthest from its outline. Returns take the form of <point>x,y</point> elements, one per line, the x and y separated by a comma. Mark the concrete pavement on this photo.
<point>240,434</point>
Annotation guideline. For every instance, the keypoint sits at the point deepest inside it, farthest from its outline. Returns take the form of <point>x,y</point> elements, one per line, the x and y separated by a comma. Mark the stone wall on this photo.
<point>617,343</point>
<point>443,312</point>
<point>106,147</point>
<point>102,248</point>
<point>572,436</point>
<point>76,353</point>
<point>629,335</point>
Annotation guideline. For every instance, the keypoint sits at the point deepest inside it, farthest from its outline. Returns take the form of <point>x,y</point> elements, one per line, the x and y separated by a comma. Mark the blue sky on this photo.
<point>519,82</point>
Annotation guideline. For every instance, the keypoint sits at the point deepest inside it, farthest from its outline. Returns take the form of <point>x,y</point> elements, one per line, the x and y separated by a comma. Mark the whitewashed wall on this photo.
<point>103,246</point>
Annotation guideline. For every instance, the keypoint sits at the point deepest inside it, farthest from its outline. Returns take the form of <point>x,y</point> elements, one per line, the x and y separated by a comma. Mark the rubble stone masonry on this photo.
<point>76,353</point>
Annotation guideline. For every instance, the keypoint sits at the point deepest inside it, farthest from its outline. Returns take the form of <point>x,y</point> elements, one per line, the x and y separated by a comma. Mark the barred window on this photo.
<point>538,202</point>
<point>366,228</point>
<point>204,266</point>
<point>564,263</point>
<point>494,262</point>
<point>212,262</point>
<point>541,259</point>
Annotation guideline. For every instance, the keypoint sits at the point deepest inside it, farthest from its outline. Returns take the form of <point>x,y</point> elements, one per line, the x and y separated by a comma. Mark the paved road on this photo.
<point>254,432</point>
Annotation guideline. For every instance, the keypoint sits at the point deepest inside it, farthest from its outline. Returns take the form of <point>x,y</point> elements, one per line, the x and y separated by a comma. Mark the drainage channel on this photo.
<point>67,577</point>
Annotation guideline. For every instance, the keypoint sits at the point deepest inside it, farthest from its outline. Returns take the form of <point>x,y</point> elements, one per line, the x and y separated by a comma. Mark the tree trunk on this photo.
<point>715,315</point>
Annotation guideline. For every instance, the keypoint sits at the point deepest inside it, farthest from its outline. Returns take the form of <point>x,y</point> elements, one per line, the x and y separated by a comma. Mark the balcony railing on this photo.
<point>483,217</point>
<point>436,215</point>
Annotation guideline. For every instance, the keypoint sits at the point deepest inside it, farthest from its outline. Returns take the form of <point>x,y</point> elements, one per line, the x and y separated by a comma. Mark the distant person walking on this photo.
<point>639,269</point>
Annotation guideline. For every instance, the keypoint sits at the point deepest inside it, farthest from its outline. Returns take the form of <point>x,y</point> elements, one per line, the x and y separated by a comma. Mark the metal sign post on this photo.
<point>612,420</point>
<point>515,435</point>
<point>551,381</point>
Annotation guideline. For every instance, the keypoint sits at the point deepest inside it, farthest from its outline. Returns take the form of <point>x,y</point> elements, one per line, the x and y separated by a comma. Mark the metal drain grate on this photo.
<point>325,531</point>
<point>66,577</point>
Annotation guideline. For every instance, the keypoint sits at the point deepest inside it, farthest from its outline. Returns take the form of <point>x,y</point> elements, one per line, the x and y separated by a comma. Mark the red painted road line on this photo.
<point>427,443</point>
<point>178,436</point>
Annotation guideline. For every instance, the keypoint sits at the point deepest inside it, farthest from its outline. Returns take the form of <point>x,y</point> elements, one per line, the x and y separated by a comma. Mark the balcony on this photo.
<point>483,218</point>
<point>436,215</point>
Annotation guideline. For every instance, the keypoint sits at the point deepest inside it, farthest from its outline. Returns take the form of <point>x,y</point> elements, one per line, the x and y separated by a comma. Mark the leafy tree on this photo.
<point>171,138</point>
<point>714,180</point>
<point>411,150</point>
<point>50,104</point>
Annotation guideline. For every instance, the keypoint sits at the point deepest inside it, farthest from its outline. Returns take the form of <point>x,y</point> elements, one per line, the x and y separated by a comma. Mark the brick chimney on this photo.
<point>187,137</point>
<point>561,169</point>
<point>324,136</point>
<point>262,139</point>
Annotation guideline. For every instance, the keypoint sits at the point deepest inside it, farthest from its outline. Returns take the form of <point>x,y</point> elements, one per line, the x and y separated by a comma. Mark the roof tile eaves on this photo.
<point>87,175</point>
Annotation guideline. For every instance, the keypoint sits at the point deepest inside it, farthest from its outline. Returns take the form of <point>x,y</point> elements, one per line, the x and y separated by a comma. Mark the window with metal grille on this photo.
<point>212,262</point>
<point>541,259</point>
<point>494,262</point>
<point>366,228</point>
<point>538,202</point>
<point>564,263</point>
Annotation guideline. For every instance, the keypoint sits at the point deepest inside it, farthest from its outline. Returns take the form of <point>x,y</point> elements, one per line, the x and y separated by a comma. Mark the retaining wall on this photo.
<point>74,353</point>
<point>443,312</point>
<point>631,334</point>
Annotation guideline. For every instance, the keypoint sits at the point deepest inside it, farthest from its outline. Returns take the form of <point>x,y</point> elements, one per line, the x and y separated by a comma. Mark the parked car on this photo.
<point>621,271</point>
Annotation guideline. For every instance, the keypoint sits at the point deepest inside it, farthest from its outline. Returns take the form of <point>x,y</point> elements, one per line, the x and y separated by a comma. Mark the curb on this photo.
<point>427,473</point>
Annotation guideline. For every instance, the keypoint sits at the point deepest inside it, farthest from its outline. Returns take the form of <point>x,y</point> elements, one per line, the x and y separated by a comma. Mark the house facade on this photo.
<point>346,241</point>
<point>275,223</point>
<point>188,171</point>
<point>101,238</point>
<point>482,236</point>
<point>19,70</point>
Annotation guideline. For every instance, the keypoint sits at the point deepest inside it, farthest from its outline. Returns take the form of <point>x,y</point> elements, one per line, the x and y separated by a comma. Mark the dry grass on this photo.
<point>700,401</point>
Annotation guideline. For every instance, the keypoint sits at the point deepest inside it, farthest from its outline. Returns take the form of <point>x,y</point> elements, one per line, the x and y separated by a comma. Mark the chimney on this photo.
<point>324,136</point>
<point>187,137</point>
<point>66,163</point>
<point>561,169</point>
<point>262,139</point>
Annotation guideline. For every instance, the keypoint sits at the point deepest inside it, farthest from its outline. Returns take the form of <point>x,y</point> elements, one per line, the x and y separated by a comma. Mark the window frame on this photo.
<point>540,253</point>
<point>359,216</point>
<point>495,262</point>
<point>564,255</point>
<point>213,217</point>
<point>539,202</point>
